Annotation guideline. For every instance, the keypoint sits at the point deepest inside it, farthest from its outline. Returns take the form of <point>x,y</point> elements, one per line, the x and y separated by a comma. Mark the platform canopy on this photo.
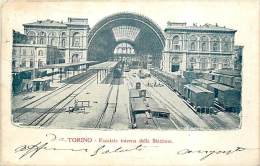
<point>43,79</point>
<point>63,65</point>
<point>104,66</point>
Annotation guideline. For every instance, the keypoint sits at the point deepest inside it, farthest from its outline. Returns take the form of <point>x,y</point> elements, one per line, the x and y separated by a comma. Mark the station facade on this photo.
<point>133,38</point>
<point>206,47</point>
<point>68,38</point>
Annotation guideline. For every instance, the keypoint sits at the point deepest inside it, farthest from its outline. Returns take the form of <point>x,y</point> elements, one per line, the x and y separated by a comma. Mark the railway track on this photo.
<point>215,122</point>
<point>51,112</point>
<point>159,123</point>
<point>178,119</point>
<point>45,98</point>
<point>105,120</point>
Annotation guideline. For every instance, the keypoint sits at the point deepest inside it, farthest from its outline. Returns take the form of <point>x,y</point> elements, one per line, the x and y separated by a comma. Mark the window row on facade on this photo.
<point>205,63</point>
<point>203,43</point>
<point>53,39</point>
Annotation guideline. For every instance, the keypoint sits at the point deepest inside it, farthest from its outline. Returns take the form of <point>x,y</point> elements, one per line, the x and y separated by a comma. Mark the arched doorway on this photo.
<point>75,58</point>
<point>142,35</point>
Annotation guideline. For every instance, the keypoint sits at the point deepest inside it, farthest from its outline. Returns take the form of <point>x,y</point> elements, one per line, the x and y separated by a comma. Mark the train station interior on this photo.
<point>126,73</point>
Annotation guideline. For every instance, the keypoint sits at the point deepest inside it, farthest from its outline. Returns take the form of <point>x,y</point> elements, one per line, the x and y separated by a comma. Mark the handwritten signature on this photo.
<point>206,153</point>
<point>32,149</point>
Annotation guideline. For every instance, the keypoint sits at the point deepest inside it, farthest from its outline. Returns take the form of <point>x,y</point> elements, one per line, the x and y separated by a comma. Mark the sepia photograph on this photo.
<point>126,72</point>
<point>156,82</point>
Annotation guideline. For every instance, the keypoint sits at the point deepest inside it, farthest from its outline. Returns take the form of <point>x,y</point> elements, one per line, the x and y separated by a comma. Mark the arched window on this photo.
<point>203,63</point>
<point>24,52</point>
<point>52,42</point>
<point>31,37</point>
<point>192,46</point>
<point>215,44</point>
<point>40,63</point>
<point>214,63</point>
<point>63,42</point>
<point>63,39</point>
<point>193,43</point>
<point>176,42</point>
<point>75,58</point>
<point>40,53</point>
<point>226,63</point>
<point>31,63</point>
<point>14,64</point>
<point>42,38</point>
<point>176,39</point>
<point>42,34</point>
<point>203,46</point>
<point>41,41</point>
<point>192,62</point>
<point>225,47</point>
<point>204,43</point>
<point>226,44</point>
<point>52,37</point>
<point>76,39</point>
<point>63,34</point>
<point>23,63</point>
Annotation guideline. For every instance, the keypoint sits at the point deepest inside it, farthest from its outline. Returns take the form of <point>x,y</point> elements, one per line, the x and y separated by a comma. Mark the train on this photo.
<point>205,91</point>
<point>142,74</point>
<point>117,73</point>
<point>174,81</point>
<point>140,102</point>
<point>199,97</point>
<point>224,77</point>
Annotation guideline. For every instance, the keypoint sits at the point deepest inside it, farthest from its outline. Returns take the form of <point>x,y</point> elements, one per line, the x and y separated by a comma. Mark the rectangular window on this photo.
<point>213,77</point>
<point>24,52</point>
<point>176,47</point>
<point>175,68</point>
<point>216,93</point>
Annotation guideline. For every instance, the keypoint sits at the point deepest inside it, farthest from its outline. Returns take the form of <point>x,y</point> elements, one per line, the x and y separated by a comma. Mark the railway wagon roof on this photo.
<point>196,89</point>
<point>138,104</point>
<point>133,93</point>
<point>222,87</point>
<point>204,81</point>
<point>152,103</point>
<point>160,110</point>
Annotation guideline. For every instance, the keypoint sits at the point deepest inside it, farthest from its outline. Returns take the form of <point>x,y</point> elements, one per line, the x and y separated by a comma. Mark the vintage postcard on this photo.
<point>130,82</point>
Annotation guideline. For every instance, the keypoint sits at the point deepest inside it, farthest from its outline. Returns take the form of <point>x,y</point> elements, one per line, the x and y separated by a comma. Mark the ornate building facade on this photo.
<point>178,48</point>
<point>195,47</point>
<point>70,38</point>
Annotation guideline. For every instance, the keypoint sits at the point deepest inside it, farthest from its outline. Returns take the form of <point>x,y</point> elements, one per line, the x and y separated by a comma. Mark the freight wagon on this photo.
<point>200,98</point>
<point>227,97</point>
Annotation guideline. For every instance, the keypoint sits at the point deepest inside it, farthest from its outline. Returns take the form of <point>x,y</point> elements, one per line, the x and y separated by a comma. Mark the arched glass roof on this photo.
<point>124,48</point>
<point>136,30</point>
<point>125,33</point>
